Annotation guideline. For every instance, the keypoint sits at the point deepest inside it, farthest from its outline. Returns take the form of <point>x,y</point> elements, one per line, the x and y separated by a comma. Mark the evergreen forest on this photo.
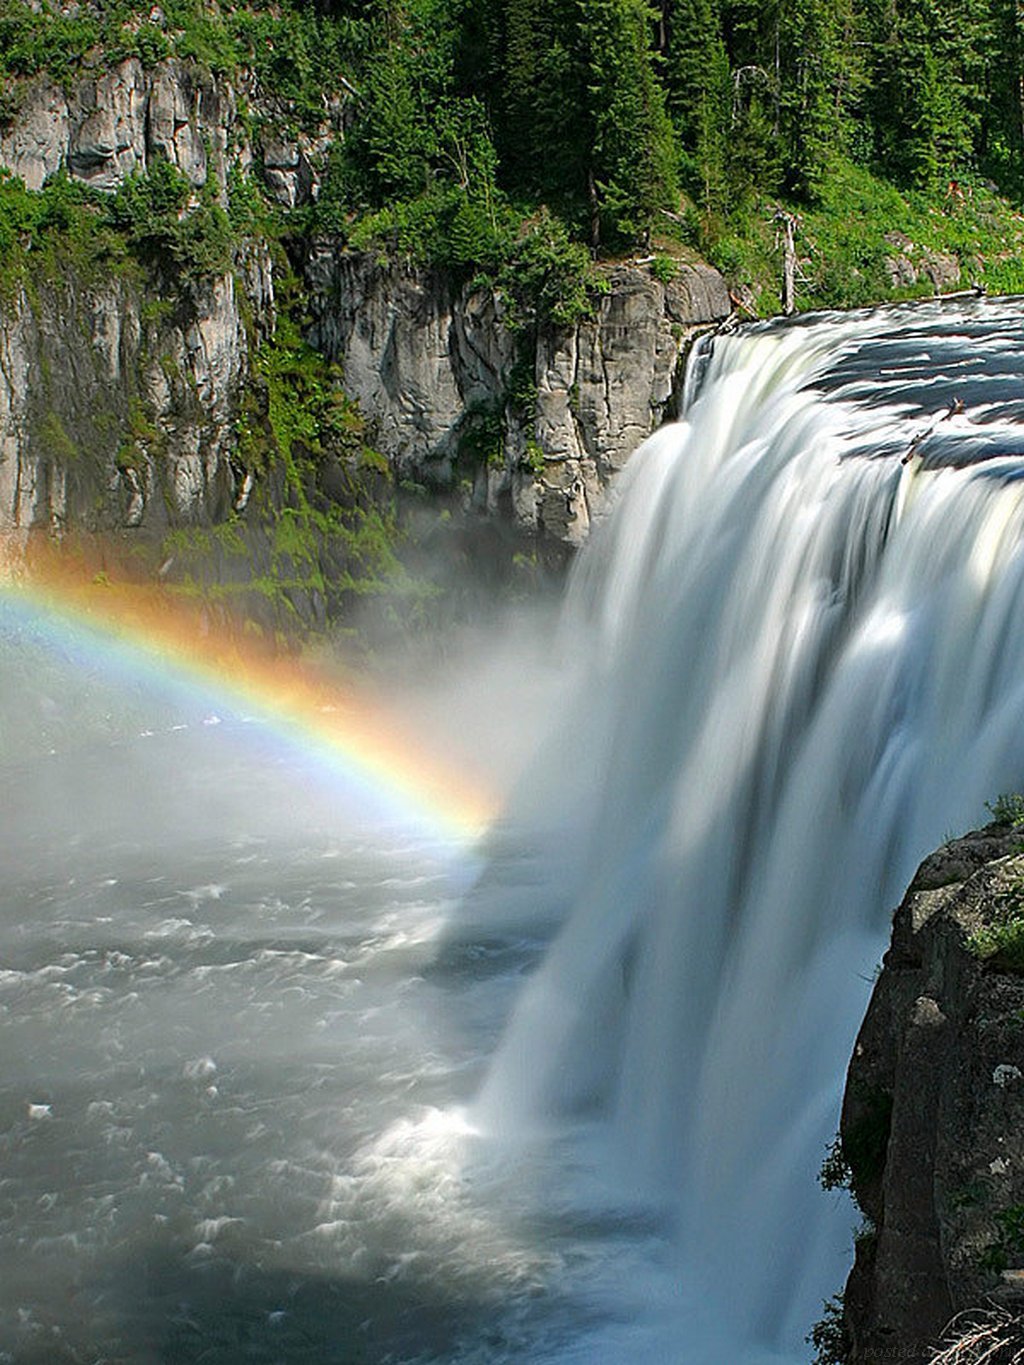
<point>502,135</point>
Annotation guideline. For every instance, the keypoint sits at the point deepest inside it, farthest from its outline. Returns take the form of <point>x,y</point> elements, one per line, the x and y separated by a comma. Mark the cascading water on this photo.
<point>799,641</point>
<point>274,1087</point>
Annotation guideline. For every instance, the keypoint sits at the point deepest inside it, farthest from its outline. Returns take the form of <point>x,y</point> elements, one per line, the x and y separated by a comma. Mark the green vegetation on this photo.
<point>153,220</point>
<point>1000,943</point>
<point>828,1335</point>
<point>1008,1248</point>
<point>835,1169</point>
<point>855,1161</point>
<point>149,211</point>
<point>865,1140</point>
<point>297,52</point>
<point>140,436</point>
<point>512,138</point>
<point>322,495</point>
<point>1007,808</point>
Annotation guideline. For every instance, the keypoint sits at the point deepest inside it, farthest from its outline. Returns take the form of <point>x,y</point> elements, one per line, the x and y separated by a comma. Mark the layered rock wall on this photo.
<point>427,359</point>
<point>117,403</point>
<point>117,408</point>
<point>933,1116</point>
<point>106,125</point>
<point>109,125</point>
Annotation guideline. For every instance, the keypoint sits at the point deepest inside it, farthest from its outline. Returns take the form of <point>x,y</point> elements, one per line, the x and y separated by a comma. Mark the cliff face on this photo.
<point>107,125</point>
<point>118,406</point>
<point>933,1115</point>
<point>117,409</point>
<point>430,363</point>
<point>115,124</point>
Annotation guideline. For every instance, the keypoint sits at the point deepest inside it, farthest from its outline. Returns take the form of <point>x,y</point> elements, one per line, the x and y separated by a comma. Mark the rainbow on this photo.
<point>147,634</point>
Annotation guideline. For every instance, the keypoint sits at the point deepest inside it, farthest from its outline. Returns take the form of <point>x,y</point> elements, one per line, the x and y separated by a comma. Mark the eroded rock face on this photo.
<point>933,1116</point>
<point>428,361</point>
<point>112,124</point>
<point>117,410</point>
<point>434,366</point>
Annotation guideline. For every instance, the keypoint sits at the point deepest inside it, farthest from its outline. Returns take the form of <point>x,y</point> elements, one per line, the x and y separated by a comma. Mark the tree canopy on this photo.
<point>465,118</point>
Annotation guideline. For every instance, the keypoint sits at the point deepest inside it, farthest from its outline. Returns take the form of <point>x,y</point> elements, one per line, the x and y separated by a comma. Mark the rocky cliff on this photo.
<point>120,400</point>
<point>105,125</point>
<point>933,1116</point>
<point>435,365</point>
<point>117,407</point>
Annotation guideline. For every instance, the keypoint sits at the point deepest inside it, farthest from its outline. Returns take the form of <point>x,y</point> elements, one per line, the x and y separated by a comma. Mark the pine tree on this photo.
<point>581,119</point>
<point>929,86</point>
<point>755,153</point>
<point>631,167</point>
<point>821,78</point>
<point>1001,144</point>
<point>698,82</point>
<point>541,119</point>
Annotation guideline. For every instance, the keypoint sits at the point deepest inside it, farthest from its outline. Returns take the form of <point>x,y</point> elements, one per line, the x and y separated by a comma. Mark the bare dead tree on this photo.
<point>746,75</point>
<point>786,225</point>
<point>989,1336</point>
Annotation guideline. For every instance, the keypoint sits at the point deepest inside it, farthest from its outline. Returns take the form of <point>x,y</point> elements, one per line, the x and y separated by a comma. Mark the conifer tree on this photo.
<point>1001,144</point>
<point>631,166</point>
<point>541,125</point>
<point>582,120</point>
<point>929,86</point>
<point>821,77</point>
<point>698,81</point>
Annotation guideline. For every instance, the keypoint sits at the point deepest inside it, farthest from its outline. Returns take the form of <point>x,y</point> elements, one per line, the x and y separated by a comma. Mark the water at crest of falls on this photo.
<point>273,1087</point>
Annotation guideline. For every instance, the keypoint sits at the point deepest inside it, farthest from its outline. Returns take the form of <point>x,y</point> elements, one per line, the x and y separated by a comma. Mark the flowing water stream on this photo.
<point>287,1078</point>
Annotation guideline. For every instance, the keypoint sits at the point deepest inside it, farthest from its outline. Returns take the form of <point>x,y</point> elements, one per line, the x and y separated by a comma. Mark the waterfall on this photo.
<point>797,646</point>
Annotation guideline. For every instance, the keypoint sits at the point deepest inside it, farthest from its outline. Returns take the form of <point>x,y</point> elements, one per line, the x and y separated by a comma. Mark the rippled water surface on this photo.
<point>227,1041</point>
<point>238,1032</point>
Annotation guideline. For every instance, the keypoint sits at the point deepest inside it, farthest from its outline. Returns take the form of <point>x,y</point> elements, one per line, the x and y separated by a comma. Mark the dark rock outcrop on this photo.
<point>933,1116</point>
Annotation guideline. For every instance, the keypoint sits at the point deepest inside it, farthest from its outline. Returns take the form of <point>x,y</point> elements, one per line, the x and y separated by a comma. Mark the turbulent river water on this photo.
<point>284,1079</point>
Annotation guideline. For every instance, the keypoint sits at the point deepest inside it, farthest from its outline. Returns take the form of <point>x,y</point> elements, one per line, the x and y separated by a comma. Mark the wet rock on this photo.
<point>175,130</point>
<point>909,262</point>
<point>943,269</point>
<point>900,270</point>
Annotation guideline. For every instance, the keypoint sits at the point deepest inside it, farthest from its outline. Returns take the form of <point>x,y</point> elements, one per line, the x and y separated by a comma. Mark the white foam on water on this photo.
<point>801,668</point>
